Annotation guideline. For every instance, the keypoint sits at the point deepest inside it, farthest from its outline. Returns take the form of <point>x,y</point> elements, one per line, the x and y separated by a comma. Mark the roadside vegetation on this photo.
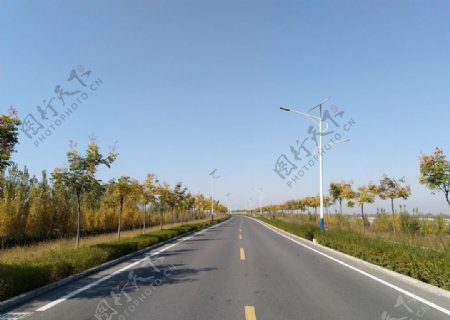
<point>60,224</point>
<point>410,243</point>
<point>20,273</point>
<point>72,202</point>
<point>402,255</point>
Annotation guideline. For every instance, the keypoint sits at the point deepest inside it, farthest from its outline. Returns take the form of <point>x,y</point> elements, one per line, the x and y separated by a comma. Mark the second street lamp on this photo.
<point>213,177</point>
<point>260,190</point>
<point>319,120</point>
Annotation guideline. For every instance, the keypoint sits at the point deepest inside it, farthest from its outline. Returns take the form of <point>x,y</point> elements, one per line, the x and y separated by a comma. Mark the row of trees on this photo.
<point>434,173</point>
<point>73,199</point>
<point>388,188</point>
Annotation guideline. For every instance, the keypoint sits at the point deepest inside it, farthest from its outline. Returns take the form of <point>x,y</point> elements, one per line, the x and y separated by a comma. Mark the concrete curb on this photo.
<point>423,285</point>
<point>27,296</point>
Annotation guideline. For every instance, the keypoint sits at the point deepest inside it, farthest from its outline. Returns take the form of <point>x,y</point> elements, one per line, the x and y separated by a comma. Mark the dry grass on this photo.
<point>19,253</point>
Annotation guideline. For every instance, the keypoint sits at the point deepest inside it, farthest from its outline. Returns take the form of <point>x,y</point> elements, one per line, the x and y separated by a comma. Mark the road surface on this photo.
<point>240,269</point>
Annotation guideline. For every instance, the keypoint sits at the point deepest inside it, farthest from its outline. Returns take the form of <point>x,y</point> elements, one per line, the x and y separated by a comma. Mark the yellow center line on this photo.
<point>250,313</point>
<point>242,254</point>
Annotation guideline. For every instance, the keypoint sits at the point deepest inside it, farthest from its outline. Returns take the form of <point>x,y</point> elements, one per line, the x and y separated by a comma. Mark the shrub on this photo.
<point>427,265</point>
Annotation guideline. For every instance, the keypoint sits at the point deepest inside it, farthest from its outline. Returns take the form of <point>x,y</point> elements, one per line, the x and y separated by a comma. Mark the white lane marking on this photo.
<point>388,284</point>
<point>93,284</point>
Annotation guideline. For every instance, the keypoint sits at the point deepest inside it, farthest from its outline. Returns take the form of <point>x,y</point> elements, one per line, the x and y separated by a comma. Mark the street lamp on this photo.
<point>260,190</point>
<point>213,177</point>
<point>229,202</point>
<point>249,204</point>
<point>318,120</point>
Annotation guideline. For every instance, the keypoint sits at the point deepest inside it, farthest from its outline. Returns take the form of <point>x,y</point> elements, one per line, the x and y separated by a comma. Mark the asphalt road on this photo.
<point>239,269</point>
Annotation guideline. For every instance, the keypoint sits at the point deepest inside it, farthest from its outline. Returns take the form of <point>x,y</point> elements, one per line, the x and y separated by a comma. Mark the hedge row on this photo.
<point>53,265</point>
<point>430,266</point>
<point>306,231</point>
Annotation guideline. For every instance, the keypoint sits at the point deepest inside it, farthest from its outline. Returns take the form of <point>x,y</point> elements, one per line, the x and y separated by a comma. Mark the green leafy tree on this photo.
<point>179,194</point>
<point>200,204</point>
<point>15,204</point>
<point>189,202</point>
<point>121,190</point>
<point>391,188</point>
<point>340,191</point>
<point>9,125</point>
<point>163,200</point>
<point>79,177</point>
<point>435,172</point>
<point>148,193</point>
<point>365,194</point>
<point>327,202</point>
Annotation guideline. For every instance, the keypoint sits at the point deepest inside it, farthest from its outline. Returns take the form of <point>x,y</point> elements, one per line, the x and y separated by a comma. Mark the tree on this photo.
<point>163,199</point>
<point>365,194</point>
<point>327,202</point>
<point>200,204</point>
<point>178,194</point>
<point>123,188</point>
<point>148,193</point>
<point>435,172</point>
<point>189,201</point>
<point>340,191</point>
<point>79,177</point>
<point>8,137</point>
<point>392,189</point>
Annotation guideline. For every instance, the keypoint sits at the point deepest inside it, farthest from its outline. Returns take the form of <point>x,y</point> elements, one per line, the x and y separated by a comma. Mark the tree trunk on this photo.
<point>145,215</point>
<point>340,216</point>
<point>78,218</point>
<point>160,219</point>
<point>393,217</point>
<point>362,216</point>
<point>120,217</point>
<point>446,197</point>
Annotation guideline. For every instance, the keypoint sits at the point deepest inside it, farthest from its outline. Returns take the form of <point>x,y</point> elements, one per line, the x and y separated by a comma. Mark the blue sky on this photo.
<point>189,86</point>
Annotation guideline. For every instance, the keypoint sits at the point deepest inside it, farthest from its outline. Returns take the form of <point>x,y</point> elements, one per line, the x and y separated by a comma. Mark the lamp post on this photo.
<point>229,202</point>
<point>318,120</point>
<point>260,190</point>
<point>213,177</point>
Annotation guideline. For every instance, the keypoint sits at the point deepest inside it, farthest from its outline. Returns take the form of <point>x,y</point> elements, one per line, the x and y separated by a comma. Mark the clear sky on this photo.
<point>188,86</point>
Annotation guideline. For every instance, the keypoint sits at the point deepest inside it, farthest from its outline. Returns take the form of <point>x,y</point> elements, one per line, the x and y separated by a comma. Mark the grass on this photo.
<point>439,242</point>
<point>430,266</point>
<point>19,253</point>
<point>28,268</point>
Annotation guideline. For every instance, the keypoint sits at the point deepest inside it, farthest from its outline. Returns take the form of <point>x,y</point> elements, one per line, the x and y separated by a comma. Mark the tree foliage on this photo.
<point>79,177</point>
<point>9,125</point>
<point>391,188</point>
<point>435,172</point>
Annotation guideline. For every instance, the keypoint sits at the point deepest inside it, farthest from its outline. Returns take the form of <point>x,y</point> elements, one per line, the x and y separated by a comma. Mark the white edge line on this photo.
<point>390,285</point>
<point>93,284</point>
